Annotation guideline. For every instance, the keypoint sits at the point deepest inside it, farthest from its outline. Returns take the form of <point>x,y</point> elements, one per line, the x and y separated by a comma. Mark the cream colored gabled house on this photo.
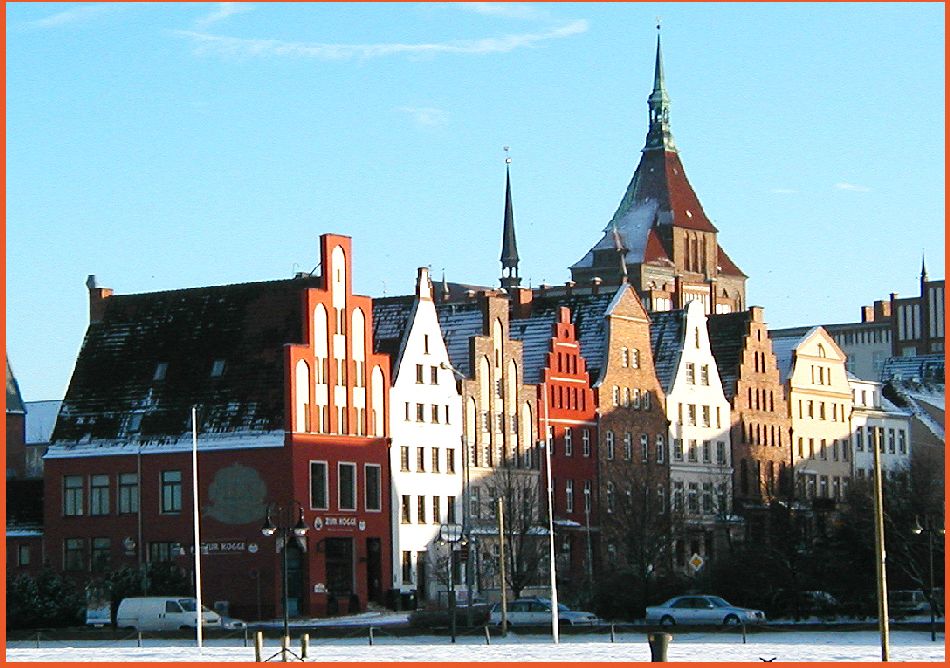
<point>813,370</point>
<point>426,429</point>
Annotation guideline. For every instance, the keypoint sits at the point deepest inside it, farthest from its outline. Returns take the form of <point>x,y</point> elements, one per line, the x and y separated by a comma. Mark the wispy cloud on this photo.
<point>783,191</point>
<point>240,47</point>
<point>73,15</point>
<point>852,187</point>
<point>223,10</point>
<point>510,10</point>
<point>425,116</point>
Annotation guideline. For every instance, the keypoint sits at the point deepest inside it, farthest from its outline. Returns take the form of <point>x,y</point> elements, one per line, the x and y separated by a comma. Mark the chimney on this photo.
<point>867,313</point>
<point>470,295</point>
<point>882,310</point>
<point>595,285</point>
<point>521,302</point>
<point>97,299</point>
<point>542,289</point>
<point>757,313</point>
<point>569,287</point>
<point>423,284</point>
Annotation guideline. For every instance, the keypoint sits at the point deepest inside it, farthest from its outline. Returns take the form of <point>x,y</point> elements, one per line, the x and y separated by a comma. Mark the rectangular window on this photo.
<point>404,458</point>
<point>890,441</point>
<point>421,510</point>
<point>692,498</point>
<point>707,498</point>
<point>691,373</point>
<point>436,509</point>
<point>318,486</point>
<point>23,555</point>
<point>704,374</point>
<point>171,492</point>
<point>72,495</point>
<point>475,502</point>
<point>434,375</point>
<point>627,446</point>
<point>823,452</point>
<point>678,449</point>
<point>585,442</point>
<point>644,448</point>
<point>407,411</point>
<point>420,459</point>
<point>407,568</point>
<point>587,496</point>
<point>707,451</point>
<point>163,551</point>
<point>706,416</point>
<point>811,448</point>
<point>450,509</point>
<point>406,505</point>
<point>420,370</point>
<point>610,445</point>
<point>568,442</point>
<point>435,414</point>
<point>660,449</point>
<point>902,442</point>
<point>373,487</point>
<point>859,440</point>
<point>450,460</point>
<point>420,413</point>
<point>101,549</point>
<point>823,487</point>
<point>834,449</point>
<point>347,484</point>
<point>691,415</point>
<point>691,450</point>
<point>845,449</point>
<point>128,493</point>
<point>721,453</point>
<point>74,554</point>
<point>569,496</point>
<point>610,497</point>
<point>678,496</point>
<point>435,460</point>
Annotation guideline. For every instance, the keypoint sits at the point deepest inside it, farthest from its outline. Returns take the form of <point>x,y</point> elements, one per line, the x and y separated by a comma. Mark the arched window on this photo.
<point>376,392</point>
<point>302,389</point>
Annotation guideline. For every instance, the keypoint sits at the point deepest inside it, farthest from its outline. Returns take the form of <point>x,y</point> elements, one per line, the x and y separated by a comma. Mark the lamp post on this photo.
<point>284,513</point>
<point>930,530</point>
<point>451,534</point>
<point>590,558</point>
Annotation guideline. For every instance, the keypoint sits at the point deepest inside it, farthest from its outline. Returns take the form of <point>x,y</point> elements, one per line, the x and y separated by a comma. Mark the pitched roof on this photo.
<point>726,265</point>
<point>727,333</point>
<point>459,323</point>
<point>784,348</point>
<point>40,420</point>
<point>117,379</point>
<point>392,317</point>
<point>14,399</point>
<point>667,333</point>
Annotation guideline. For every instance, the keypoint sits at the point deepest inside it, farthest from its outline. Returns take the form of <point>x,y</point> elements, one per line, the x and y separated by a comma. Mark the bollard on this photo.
<point>139,640</point>
<point>245,636</point>
<point>611,633</point>
<point>258,646</point>
<point>743,634</point>
<point>371,636</point>
<point>659,642</point>
<point>284,647</point>
<point>37,640</point>
<point>304,645</point>
<point>487,636</point>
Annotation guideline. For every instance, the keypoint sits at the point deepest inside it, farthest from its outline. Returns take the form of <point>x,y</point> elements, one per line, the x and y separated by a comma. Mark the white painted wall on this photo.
<point>869,413</point>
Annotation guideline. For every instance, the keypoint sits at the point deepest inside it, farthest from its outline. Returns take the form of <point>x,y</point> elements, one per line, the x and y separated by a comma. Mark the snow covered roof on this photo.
<point>460,322</point>
<point>727,334</point>
<point>784,348</point>
<point>667,333</point>
<point>153,356</point>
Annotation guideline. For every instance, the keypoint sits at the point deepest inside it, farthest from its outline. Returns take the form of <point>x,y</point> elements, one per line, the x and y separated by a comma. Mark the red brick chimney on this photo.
<point>521,302</point>
<point>97,299</point>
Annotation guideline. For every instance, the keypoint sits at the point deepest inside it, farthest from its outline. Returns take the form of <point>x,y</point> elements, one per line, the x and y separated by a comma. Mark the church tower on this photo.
<point>669,248</point>
<point>509,245</point>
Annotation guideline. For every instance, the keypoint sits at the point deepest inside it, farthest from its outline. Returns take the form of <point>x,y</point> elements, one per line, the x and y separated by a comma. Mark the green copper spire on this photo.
<point>509,244</point>
<point>659,136</point>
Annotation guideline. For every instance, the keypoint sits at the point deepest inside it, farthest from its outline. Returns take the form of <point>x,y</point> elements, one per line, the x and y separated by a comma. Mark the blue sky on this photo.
<point>162,146</point>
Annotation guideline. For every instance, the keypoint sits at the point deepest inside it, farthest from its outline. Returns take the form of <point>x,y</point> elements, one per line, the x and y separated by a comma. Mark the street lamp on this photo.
<point>284,513</point>
<point>930,530</point>
<point>451,534</point>
<point>590,559</point>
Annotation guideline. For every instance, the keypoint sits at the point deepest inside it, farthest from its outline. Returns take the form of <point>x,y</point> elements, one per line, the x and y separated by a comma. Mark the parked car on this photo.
<point>907,602</point>
<point>701,609</point>
<point>536,611</point>
<point>162,613</point>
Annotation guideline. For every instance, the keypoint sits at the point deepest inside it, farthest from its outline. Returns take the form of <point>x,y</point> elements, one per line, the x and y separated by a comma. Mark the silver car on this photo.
<point>536,611</point>
<point>701,610</point>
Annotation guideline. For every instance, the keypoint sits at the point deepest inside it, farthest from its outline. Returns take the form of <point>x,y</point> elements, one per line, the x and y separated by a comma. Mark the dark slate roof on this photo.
<point>727,332</point>
<point>459,323</point>
<point>246,325</point>
<point>920,369</point>
<point>588,315</point>
<point>667,333</point>
<point>14,399</point>
<point>391,322</point>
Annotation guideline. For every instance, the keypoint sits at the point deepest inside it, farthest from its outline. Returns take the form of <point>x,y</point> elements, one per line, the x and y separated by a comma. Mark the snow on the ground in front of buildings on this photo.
<point>363,619</point>
<point>686,647</point>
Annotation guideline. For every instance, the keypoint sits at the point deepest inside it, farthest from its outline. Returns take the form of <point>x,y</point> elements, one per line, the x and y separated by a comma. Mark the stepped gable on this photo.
<point>588,315</point>
<point>667,332</point>
<point>115,381</point>
<point>726,340</point>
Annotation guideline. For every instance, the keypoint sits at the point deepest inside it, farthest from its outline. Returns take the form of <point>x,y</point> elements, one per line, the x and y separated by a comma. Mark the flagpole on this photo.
<point>194,496</point>
<point>551,553</point>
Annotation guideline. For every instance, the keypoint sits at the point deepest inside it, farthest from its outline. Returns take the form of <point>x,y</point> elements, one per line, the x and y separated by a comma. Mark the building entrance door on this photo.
<point>422,579</point>
<point>339,565</point>
<point>374,570</point>
<point>294,578</point>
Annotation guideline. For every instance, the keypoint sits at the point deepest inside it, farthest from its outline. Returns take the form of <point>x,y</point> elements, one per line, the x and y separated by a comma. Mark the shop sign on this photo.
<point>344,523</point>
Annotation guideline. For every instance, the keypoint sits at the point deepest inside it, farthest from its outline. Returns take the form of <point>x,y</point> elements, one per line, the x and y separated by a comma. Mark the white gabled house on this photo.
<point>426,430</point>
<point>699,416</point>
<point>875,420</point>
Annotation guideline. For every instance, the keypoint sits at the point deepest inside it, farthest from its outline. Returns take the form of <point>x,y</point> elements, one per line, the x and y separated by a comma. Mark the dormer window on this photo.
<point>217,369</point>
<point>160,369</point>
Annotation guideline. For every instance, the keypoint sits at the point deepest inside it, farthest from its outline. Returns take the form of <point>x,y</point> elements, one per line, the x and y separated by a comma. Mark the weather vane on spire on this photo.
<point>658,22</point>
<point>507,157</point>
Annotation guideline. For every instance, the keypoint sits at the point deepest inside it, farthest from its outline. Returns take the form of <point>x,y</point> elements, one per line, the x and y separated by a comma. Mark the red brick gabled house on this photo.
<point>291,405</point>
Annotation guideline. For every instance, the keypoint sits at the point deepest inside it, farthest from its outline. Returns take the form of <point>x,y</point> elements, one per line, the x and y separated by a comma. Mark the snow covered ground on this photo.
<point>685,647</point>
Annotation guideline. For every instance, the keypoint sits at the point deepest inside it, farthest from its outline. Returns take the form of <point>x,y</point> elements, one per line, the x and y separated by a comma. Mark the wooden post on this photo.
<point>258,646</point>
<point>370,636</point>
<point>284,647</point>
<point>487,635</point>
<point>743,633</point>
<point>139,640</point>
<point>304,645</point>
<point>611,633</point>
<point>501,566</point>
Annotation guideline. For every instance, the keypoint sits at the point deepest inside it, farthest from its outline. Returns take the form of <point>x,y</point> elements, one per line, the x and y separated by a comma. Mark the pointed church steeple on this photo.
<point>509,244</point>
<point>659,136</point>
<point>923,268</point>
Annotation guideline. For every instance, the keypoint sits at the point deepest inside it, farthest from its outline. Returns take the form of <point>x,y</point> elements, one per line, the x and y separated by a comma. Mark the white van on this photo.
<point>162,613</point>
